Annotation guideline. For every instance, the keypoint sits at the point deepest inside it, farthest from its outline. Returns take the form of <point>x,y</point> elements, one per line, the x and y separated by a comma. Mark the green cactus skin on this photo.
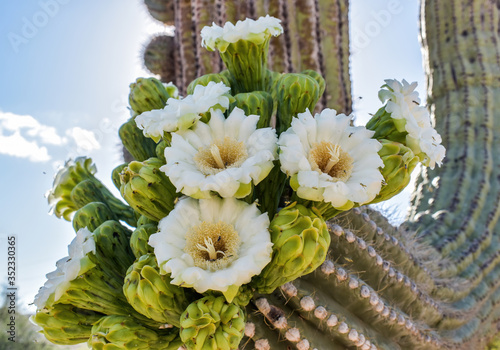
<point>161,10</point>
<point>159,58</point>
<point>126,333</point>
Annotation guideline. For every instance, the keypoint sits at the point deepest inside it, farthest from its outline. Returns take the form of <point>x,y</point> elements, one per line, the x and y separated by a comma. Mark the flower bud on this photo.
<point>147,189</point>
<point>296,93</point>
<point>301,240</point>
<point>152,294</point>
<point>147,94</point>
<point>126,333</point>
<point>212,323</point>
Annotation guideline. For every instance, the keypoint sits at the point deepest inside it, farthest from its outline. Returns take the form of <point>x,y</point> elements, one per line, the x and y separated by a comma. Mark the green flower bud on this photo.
<point>152,294</point>
<point>301,240</point>
<point>257,102</point>
<point>205,79</point>
<point>386,127</point>
<point>88,191</point>
<point>147,94</point>
<point>399,163</point>
<point>147,189</point>
<point>91,216</point>
<point>66,324</point>
<point>295,93</point>
<point>115,174</point>
<point>113,252</point>
<point>140,237</point>
<point>144,220</point>
<point>133,139</point>
<point>126,333</point>
<point>319,79</point>
<point>268,192</point>
<point>212,323</point>
<point>65,200</point>
<point>244,295</point>
<point>73,172</point>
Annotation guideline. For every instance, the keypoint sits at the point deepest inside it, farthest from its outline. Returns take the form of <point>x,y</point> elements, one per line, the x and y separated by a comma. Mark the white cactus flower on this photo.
<point>330,161</point>
<point>225,156</point>
<point>409,116</point>
<point>213,244</point>
<point>216,37</point>
<point>67,268</point>
<point>181,114</point>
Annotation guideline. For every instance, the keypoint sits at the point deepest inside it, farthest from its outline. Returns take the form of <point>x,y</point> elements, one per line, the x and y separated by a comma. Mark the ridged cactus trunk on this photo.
<point>316,36</point>
<point>433,282</point>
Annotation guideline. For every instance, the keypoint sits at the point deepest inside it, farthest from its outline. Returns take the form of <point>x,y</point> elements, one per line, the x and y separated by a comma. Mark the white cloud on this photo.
<point>17,146</point>
<point>23,136</point>
<point>85,140</point>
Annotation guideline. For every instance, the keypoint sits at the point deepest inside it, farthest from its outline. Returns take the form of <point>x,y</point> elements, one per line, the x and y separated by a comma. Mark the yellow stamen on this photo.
<point>209,248</point>
<point>213,246</point>
<point>329,158</point>
<point>220,155</point>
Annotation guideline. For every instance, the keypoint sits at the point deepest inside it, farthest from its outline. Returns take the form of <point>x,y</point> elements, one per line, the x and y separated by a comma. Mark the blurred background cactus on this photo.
<point>431,283</point>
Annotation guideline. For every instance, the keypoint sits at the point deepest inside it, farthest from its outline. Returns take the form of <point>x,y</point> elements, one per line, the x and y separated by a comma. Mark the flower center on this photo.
<point>222,154</point>
<point>330,159</point>
<point>213,246</point>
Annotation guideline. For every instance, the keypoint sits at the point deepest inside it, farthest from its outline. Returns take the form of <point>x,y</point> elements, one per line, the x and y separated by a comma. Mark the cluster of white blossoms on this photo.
<point>403,103</point>
<point>331,161</point>
<point>67,269</point>
<point>206,242</point>
<point>181,114</point>
<point>216,37</point>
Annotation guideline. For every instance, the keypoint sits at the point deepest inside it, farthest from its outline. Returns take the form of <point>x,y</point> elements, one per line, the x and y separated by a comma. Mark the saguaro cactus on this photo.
<point>253,237</point>
<point>433,282</point>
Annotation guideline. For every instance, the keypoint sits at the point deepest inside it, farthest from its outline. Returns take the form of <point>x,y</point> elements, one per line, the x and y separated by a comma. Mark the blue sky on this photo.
<point>65,67</point>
